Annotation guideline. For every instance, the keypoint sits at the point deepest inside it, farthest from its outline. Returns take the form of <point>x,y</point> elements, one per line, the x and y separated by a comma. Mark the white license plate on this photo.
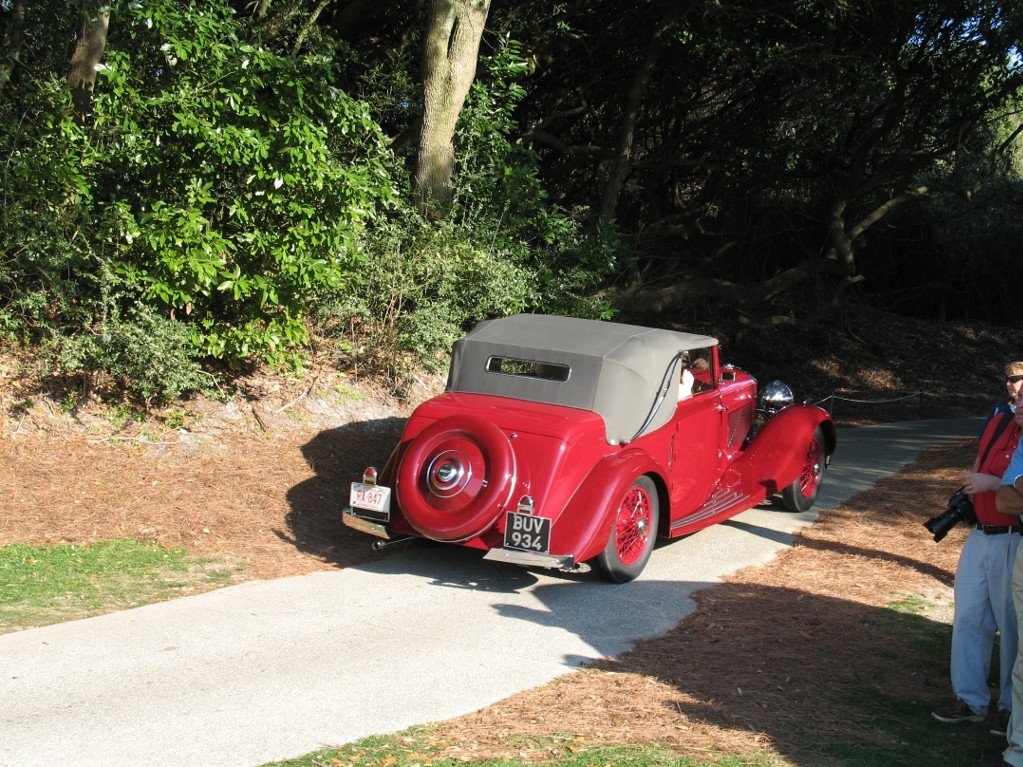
<point>370,497</point>
<point>527,532</point>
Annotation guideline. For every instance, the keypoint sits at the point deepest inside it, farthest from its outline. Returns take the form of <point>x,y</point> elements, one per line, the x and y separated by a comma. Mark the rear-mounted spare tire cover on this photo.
<point>455,477</point>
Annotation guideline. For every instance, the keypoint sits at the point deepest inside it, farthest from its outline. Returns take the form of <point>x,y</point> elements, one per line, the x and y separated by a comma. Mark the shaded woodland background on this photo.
<point>191,189</point>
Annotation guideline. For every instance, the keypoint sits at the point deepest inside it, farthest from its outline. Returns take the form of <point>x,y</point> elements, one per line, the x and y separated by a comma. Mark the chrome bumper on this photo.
<point>532,559</point>
<point>364,525</point>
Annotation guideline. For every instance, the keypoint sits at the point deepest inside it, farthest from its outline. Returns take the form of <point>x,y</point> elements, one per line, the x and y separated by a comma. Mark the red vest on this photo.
<point>996,461</point>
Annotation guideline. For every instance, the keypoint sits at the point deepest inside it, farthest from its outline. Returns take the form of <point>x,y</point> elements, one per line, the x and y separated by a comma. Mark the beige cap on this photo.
<point>1014,369</point>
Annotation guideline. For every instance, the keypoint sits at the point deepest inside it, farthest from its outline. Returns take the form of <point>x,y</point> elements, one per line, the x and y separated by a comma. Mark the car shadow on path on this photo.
<point>337,457</point>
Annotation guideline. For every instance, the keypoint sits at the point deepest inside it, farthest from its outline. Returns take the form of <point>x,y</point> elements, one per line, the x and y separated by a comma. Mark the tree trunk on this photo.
<point>452,45</point>
<point>13,36</point>
<point>92,40</point>
<point>622,165</point>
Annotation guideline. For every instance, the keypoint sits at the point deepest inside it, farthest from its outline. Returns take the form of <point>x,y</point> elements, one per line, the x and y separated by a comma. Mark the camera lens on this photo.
<point>941,524</point>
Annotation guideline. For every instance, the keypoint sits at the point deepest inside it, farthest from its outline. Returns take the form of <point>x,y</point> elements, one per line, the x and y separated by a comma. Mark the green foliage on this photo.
<point>423,283</point>
<point>750,129</point>
<point>222,189</point>
<point>233,176</point>
<point>501,248</point>
<point>47,236</point>
<point>218,185</point>
<point>153,357</point>
<point>500,195</point>
<point>253,177</point>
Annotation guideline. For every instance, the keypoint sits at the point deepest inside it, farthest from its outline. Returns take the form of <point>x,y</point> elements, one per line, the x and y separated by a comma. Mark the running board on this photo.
<point>721,502</point>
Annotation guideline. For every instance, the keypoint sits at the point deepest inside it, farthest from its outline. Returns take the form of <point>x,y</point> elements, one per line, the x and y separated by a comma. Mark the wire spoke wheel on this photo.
<point>801,494</point>
<point>633,533</point>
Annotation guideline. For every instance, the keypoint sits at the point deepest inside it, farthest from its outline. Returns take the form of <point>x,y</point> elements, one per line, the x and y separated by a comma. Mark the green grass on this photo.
<point>904,734</point>
<point>911,604</point>
<point>414,748</point>
<point>40,585</point>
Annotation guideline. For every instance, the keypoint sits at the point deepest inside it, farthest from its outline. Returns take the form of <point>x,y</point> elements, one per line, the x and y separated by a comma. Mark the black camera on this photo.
<point>958,509</point>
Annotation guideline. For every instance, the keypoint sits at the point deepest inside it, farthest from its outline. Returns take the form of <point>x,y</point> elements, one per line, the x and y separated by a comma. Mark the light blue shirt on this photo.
<point>1015,470</point>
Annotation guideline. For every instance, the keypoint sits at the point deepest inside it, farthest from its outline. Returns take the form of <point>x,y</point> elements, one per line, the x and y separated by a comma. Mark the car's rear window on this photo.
<point>545,371</point>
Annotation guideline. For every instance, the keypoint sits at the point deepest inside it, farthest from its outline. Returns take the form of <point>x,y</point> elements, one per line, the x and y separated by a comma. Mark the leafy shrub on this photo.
<point>152,357</point>
<point>221,191</point>
<point>500,197</point>
<point>423,284</point>
<point>501,248</point>
<point>251,176</point>
<point>220,182</point>
<point>47,235</point>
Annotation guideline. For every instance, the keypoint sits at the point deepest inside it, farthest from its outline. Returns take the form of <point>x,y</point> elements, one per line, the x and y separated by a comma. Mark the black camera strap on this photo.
<point>1003,424</point>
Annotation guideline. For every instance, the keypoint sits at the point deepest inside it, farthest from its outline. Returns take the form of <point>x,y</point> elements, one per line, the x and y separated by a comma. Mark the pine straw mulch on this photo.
<point>257,485</point>
<point>775,658</point>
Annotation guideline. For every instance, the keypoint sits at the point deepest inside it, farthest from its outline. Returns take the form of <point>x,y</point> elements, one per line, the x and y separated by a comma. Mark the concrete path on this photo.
<point>272,670</point>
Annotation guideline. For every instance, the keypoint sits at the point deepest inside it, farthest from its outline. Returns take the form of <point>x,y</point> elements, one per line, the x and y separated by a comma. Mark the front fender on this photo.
<point>583,527</point>
<point>774,458</point>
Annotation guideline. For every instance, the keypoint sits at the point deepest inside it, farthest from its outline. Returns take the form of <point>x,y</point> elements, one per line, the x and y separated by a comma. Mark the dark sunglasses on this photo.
<point>1013,379</point>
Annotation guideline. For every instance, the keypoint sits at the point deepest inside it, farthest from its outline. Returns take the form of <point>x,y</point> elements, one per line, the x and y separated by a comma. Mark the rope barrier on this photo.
<point>832,398</point>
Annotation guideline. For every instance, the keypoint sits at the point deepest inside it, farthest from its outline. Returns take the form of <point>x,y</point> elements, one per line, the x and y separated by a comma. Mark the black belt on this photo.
<point>997,529</point>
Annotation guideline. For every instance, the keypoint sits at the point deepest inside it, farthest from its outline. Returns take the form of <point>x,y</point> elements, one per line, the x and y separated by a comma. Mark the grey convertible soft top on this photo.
<point>618,371</point>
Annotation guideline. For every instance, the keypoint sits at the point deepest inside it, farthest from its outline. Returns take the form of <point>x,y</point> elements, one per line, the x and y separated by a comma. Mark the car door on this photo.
<point>695,441</point>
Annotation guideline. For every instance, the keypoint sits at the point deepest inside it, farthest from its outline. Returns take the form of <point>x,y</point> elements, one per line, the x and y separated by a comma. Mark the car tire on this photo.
<point>633,533</point>
<point>455,478</point>
<point>801,494</point>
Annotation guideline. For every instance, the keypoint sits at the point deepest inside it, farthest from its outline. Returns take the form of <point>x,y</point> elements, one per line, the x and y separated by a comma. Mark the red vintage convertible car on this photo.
<point>562,441</point>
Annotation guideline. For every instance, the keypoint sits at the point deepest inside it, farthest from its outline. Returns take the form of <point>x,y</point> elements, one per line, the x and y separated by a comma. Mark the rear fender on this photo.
<point>387,475</point>
<point>584,526</point>
<point>775,457</point>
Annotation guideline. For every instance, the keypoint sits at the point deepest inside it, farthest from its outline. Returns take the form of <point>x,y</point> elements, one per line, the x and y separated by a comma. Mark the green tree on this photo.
<point>216,181</point>
<point>750,147</point>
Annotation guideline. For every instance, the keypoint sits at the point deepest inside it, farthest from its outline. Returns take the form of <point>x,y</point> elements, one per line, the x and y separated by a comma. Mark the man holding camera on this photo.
<point>983,580</point>
<point>1009,500</point>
